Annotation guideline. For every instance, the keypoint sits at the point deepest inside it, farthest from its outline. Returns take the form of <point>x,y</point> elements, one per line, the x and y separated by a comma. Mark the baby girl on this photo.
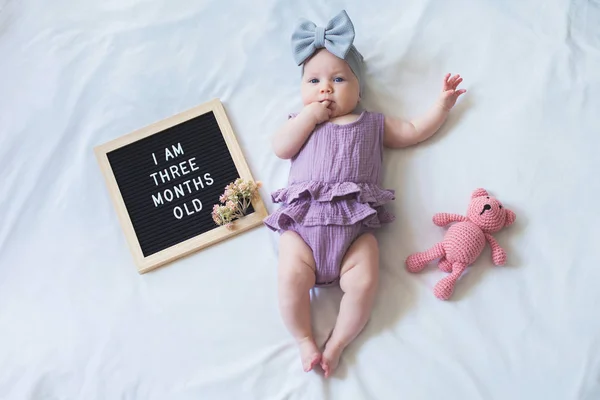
<point>333,202</point>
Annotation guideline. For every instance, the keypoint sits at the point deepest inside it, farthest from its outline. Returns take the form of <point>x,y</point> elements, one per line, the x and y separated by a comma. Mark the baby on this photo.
<point>333,202</point>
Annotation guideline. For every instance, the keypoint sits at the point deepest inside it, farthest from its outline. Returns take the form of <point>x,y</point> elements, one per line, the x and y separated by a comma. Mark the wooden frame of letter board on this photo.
<point>219,233</point>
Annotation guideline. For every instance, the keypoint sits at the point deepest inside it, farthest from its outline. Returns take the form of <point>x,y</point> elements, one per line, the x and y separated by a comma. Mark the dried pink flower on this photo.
<point>237,197</point>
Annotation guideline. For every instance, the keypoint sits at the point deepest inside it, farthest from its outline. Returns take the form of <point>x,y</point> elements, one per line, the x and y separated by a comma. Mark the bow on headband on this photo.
<point>336,37</point>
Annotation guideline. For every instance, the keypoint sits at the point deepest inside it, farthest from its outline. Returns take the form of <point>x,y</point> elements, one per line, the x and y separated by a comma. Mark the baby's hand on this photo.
<point>449,93</point>
<point>319,111</point>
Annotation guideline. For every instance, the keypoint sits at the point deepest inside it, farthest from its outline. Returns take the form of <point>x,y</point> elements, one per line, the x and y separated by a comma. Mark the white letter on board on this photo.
<point>193,164</point>
<point>187,183</point>
<point>174,171</point>
<point>207,178</point>
<point>158,200</point>
<point>167,194</point>
<point>186,210</point>
<point>165,176</point>
<point>154,176</point>
<point>154,157</point>
<point>168,154</point>
<point>177,150</point>
<point>197,204</point>
<point>183,168</point>
<point>198,183</point>
<point>178,212</point>
<point>179,189</point>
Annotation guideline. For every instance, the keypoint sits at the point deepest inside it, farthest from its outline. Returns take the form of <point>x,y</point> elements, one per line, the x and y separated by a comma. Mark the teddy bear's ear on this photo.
<point>510,218</point>
<point>479,192</point>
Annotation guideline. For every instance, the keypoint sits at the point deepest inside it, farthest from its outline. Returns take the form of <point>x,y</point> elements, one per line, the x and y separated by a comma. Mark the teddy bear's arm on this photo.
<point>443,219</point>
<point>498,253</point>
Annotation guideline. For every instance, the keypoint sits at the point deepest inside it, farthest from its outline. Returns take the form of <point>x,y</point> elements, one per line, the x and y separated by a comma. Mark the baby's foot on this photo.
<point>331,358</point>
<point>309,354</point>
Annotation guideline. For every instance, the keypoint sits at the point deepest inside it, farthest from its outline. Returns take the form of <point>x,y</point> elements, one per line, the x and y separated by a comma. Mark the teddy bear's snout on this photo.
<point>485,208</point>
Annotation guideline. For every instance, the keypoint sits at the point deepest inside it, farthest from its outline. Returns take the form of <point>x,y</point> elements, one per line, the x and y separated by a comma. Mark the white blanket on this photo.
<point>78,322</point>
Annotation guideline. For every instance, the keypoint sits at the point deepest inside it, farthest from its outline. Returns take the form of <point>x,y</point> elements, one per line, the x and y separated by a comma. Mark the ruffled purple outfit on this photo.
<point>333,194</point>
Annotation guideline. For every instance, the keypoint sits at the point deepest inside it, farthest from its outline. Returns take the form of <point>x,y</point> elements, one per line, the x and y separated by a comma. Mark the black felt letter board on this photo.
<point>170,181</point>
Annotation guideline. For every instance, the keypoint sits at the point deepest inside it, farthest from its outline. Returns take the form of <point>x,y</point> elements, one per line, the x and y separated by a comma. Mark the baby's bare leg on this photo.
<point>296,277</point>
<point>359,280</point>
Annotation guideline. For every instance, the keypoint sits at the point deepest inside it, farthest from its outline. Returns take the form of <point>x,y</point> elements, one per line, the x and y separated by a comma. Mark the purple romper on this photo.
<point>333,194</point>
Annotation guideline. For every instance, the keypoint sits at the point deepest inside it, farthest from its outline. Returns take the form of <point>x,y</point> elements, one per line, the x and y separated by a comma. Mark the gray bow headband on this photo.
<point>337,37</point>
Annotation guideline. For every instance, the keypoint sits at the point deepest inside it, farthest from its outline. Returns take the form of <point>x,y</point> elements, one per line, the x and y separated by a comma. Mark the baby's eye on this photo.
<point>338,79</point>
<point>314,80</point>
<point>501,206</point>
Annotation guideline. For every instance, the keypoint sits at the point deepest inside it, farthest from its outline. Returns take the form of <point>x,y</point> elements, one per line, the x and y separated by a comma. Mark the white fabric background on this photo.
<point>78,322</point>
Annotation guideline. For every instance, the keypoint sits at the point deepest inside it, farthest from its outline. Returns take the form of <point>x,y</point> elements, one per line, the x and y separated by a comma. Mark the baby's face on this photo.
<point>327,77</point>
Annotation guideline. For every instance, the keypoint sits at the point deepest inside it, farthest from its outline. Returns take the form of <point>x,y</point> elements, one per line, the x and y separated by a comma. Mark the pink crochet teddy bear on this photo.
<point>465,240</point>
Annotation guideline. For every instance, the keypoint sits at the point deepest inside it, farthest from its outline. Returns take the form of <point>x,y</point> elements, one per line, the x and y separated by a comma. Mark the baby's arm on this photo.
<point>399,133</point>
<point>288,140</point>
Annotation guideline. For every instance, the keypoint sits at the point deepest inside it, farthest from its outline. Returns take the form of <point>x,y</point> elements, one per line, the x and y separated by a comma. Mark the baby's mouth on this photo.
<point>485,208</point>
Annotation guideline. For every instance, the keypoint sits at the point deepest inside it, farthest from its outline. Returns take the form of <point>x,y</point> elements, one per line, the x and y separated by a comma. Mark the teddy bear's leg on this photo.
<point>445,265</point>
<point>417,261</point>
<point>445,287</point>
